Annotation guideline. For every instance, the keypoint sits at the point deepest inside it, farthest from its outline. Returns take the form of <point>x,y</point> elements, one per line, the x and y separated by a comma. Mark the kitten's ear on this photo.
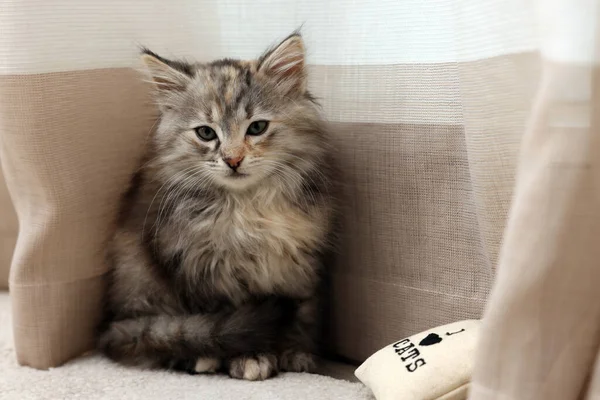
<point>167,75</point>
<point>285,62</point>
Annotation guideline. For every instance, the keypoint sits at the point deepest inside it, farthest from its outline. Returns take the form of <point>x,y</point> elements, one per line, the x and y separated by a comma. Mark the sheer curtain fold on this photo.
<point>8,232</point>
<point>542,324</point>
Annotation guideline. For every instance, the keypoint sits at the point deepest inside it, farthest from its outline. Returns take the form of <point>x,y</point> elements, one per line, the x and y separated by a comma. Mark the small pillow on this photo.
<point>432,365</point>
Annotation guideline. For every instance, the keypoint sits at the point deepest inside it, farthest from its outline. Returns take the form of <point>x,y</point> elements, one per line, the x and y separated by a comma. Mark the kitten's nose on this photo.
<point>233,162</point>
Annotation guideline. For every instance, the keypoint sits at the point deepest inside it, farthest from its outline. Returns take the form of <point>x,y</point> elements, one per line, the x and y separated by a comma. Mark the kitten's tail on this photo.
<point>158,340</point>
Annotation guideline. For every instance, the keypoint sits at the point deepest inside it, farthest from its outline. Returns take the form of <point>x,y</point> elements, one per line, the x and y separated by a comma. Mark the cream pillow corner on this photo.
<point>433,365</point>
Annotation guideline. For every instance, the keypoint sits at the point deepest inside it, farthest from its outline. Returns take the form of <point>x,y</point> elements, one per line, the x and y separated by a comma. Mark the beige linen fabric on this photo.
<point>69,144</point>
<point>407,191</point>
<point>541,332</point>
<point>9,227</point>
<point>426,204</point>
<point>496,97</point>
<point>542,327</point>
<point>593,390</point>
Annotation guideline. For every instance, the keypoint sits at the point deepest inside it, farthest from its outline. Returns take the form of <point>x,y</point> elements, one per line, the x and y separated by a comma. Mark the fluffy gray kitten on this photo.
<point>217,257</point>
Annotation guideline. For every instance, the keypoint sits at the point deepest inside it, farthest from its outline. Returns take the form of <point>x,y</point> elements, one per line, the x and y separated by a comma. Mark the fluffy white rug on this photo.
<point>94,377</point>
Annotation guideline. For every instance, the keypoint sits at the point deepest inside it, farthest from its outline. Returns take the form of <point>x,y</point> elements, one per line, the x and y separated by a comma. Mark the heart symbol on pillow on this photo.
<point>430,340</point>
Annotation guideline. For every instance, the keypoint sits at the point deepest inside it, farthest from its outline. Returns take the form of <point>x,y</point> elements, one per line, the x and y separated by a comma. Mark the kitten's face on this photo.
<point>236,123</point>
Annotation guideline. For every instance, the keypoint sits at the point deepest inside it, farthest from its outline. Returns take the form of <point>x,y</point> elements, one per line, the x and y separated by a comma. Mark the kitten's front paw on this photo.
<point>297,361</point>
<point>207,365</point>
<point>256,368</point>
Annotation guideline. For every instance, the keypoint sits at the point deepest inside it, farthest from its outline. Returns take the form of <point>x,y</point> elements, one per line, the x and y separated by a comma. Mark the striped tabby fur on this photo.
<point>217,265</point>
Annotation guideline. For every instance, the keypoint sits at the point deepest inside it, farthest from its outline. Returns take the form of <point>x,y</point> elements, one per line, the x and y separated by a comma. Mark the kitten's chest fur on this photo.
<point>240,247</point>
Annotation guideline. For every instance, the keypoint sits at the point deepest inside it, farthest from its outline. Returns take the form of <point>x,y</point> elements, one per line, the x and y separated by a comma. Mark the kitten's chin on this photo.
<point>238,181</point>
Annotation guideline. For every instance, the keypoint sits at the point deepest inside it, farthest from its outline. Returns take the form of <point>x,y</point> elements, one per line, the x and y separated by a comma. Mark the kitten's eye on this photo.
<point>206,133</point>
<point>257,128</point>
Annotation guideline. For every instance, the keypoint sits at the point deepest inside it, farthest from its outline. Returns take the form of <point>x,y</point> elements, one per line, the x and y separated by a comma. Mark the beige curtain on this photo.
<point>541,332</point>
<point>8,232</point>
<point>69,143</point>
<point>542,327</point>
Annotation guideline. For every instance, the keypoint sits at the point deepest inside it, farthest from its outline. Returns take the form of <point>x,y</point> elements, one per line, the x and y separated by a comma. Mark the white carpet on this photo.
<point>94,377</point>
